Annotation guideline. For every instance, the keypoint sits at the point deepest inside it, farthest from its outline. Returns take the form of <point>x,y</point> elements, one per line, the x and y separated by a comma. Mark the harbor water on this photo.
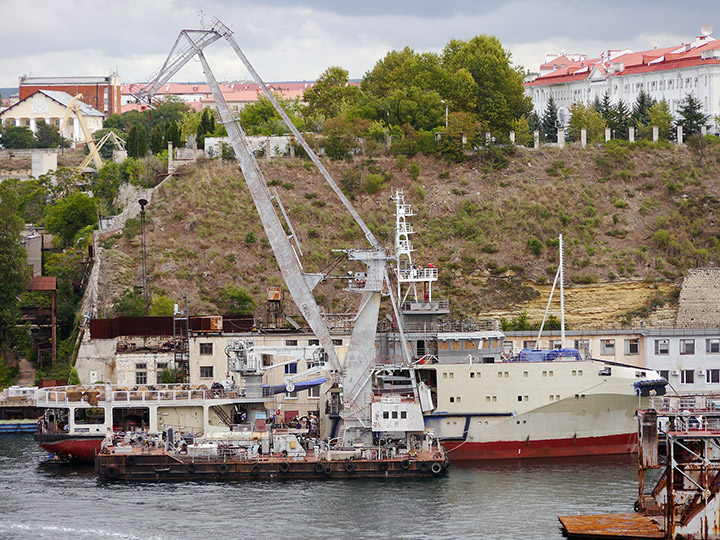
<point>493,500</point>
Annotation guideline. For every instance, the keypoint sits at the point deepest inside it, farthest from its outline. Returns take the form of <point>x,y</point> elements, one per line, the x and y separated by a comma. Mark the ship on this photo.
<point>484,404</point>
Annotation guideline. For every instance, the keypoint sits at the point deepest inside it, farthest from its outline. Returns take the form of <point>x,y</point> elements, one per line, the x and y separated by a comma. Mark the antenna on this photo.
<point>706,29</point>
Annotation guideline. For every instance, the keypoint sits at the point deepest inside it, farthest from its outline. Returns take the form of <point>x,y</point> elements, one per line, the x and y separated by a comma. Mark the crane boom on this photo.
<point>74,108</point>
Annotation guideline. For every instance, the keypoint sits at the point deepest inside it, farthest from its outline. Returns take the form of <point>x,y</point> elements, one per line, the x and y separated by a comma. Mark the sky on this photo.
<point>295,40</point>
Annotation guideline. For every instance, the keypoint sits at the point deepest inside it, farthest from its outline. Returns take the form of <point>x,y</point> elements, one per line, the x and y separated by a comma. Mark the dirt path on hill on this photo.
<point>27,373</point>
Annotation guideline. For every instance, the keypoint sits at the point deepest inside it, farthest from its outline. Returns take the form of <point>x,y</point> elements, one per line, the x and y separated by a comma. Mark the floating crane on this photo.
<point>361,414</point>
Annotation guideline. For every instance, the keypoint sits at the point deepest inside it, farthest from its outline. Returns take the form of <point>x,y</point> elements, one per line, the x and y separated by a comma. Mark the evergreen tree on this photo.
<point>691,114</point>
<point>548,123</point>
<point>604,107</point>
<point>620,120</point>
<point>641,108</point>
<point>172,134</point>
<point>534,122</point>
<point>157,139</point>
<point>137,142</point>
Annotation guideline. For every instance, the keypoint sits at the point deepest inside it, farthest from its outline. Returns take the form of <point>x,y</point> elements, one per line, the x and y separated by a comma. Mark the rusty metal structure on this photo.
<point>680,453</point>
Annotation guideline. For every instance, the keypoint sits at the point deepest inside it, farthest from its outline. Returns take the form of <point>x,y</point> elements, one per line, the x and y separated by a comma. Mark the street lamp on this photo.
<point>142,203</point>
<point>446,112</point>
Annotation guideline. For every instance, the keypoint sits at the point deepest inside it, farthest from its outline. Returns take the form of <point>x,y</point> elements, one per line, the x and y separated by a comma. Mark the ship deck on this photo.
<point>610,526</point>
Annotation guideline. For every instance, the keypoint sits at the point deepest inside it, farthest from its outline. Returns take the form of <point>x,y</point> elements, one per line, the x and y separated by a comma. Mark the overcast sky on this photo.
<point>299,39</point>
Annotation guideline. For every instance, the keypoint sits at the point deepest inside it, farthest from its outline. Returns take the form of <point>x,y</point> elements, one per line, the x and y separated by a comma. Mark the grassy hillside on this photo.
<point>644,213</point>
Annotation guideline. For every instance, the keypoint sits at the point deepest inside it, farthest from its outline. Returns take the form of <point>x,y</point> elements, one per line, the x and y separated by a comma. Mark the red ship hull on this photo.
<point>79,447</point>
<point>549,448</point>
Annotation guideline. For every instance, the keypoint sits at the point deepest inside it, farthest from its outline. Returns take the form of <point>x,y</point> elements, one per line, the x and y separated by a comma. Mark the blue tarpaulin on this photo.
<point>270,389</point>
<point>542,355</point>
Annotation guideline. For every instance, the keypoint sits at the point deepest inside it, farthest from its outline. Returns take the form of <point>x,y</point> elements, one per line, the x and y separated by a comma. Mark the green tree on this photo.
<point>499,93</point>
<point>236,300</point>
<point>73,377</point>
<point>659,115</point>
<point>161,306</point>
<point>548,122</point>
<point>172,134</point>
<point>114,121</point>
<point>341,135</point>
<point>620,120</point>
<point>14,269</point>
<point>641,109</point>
<point>69,215</point>
<point>521,127</point>
<point>157,139</point>
<point>331,93</point>
<point>586,116</point>
<point>48,136</point>
<point>691,116</point>
<point>604,107</point>
<point>130,303</point>
<point>106,152</point>
<point>136,145</point>
<point>17,137</point>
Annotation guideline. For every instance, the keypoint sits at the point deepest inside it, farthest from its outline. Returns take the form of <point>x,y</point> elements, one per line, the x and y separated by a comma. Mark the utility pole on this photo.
<point>142,203</point>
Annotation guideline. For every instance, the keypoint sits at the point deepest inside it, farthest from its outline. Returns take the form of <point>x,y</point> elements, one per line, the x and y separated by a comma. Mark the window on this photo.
<point>632,346</point>
<point>687,376</point>
<point>712,376</point>
<point>712,346</point>
<point>291,395</point>
<point>140,373</point>
<point>687,346</point>
<point>665,374</point>
<point>312,342</point>
<point>314,392</point>
<point>337,342</point>
<point>291,342</point>
<point>206,372</point>
<point>607,346</point>
<point>386,415</point>
<point>291,368</point>
<point>662,346</point>
<point>555,344</point>
<point>206,348</point>
<point>529,344</point>
<point>507,347</point>
<point>267,360</point>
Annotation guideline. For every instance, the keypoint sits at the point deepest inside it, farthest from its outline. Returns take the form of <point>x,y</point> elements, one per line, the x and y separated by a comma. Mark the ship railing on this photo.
<point>438,304</point>
<point>706,403</point>
<point>160,393</point>
<point>417,274</point>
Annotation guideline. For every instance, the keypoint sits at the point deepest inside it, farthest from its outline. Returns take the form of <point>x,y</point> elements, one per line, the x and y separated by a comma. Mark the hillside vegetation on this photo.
<point>628,212</point>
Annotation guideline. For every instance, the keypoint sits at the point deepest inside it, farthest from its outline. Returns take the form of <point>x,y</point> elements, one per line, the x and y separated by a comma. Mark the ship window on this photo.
<point>337,342</point>
<point>544,373</point>
<point>291,342</point>
<point>452,375</point>
<point>394,415</point>
<point>687,346</point>
<point>579,372</point>
<point>443,346</point>
<point>403,414</point>
<point>607,346</point>
<point>312,342</point>
<point>458,399</point>
<point>444,375</point>
<point>550,373</point>
<point>712,375</point>
<point>472,374</point>
<point>452,400</point>
<point>712,346</point>
<point>632,346</point>
<point>494,398</point>
<point>499,374</point>
<point>206,348</point>
<point>525,398</point>
<point>487,398</point>
<point>206,372</point>
<point>519,398</point>
<point>552,397</point>
<point>662,346</point>
<point>386,415</point>
<point>687,376</point>
<point>574,373</point>
<point>525,373</point>
<point>90,416</point>
<point>557,397</point>
<point>456,345</point>
<point>471,344</point>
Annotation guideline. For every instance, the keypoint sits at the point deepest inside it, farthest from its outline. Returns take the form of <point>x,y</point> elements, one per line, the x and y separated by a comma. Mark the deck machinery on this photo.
<point>362,413</point>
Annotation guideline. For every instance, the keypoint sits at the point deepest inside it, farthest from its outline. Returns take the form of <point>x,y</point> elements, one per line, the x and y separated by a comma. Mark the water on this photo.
<point>502,500</point>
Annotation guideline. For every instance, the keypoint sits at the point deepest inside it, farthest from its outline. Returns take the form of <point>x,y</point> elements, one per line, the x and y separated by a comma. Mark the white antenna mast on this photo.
<point>559,276</point>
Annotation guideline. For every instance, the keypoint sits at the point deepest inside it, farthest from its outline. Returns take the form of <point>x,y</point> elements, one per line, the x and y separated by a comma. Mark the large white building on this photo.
<point>670,73</point>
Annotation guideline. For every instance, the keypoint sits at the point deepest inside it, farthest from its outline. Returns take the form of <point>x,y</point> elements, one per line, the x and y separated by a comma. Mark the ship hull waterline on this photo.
<point>79,448</point>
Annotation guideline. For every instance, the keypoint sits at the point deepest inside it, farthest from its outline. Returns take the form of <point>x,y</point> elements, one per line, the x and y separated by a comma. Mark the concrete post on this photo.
<point>631,134</point>
<point>267,148</point>
<point>33,125</point>
<point>464,140</point>
<point>536,139</point>
<point>18,122</point>
<point>561,137</point>
<point>43,163</point>
<point>679,135</point>
<point>607,134</point>
<point>512,137</point>
<point>437,138</point>
<point>292,148</point>
<point>583,138</point>
<point>656,133</point>
<point>388,143</point>
<point>362,145</point>
<point>488,138</point>
<point>703,130</point>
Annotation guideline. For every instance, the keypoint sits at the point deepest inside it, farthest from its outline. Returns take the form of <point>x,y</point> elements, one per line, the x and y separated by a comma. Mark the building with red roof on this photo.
<point>669,73</point>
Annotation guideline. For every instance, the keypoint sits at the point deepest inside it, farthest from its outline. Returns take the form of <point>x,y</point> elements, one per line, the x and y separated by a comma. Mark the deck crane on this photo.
<point>359,410</point>
<point>73,108</point>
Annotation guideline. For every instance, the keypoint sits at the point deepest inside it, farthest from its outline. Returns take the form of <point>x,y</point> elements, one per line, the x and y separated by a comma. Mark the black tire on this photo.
<point>384,465</point>
<point>424,467</point>
<point>436,468</point>
<point>284,467</point>
<point>327,470</point>
<point>111,471</point>
<point>255,470</point>
<point>319,468</point>
<point>129,460</point>
<point>190,467</point>
<point>350,467</point>
<point>405,464</point>
<point>223,468</point>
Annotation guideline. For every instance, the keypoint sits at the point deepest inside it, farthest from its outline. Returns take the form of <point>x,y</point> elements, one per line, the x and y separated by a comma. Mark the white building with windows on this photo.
<point>688,359</point>
<point>670,73</point>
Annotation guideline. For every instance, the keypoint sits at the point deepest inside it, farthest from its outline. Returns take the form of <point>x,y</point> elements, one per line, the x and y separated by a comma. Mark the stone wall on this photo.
<point>698,303</point>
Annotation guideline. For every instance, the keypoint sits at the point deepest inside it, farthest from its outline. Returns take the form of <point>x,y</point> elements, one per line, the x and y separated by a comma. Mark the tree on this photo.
<point>48,136</point>
<point>341,135</point>
<point>14,270</point>
<point>586,116</point>
<point>604,107</point>
<point>131,303</point>
<point>172,134</point>
<point>161,306</point>
<point>523,135</point>
<point>18,137</point>
<point>137,142</point>
<point>620,120</point>
<point>659,115</point>
<point>641,109</point>
<point>157,139</point>
<point>106,152</point>
<point>331,93</point>
<point>548,122</point>
<point>236,300</point>
<point>499,95</point>
<point>69,215</point>
<point>691,115</point>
